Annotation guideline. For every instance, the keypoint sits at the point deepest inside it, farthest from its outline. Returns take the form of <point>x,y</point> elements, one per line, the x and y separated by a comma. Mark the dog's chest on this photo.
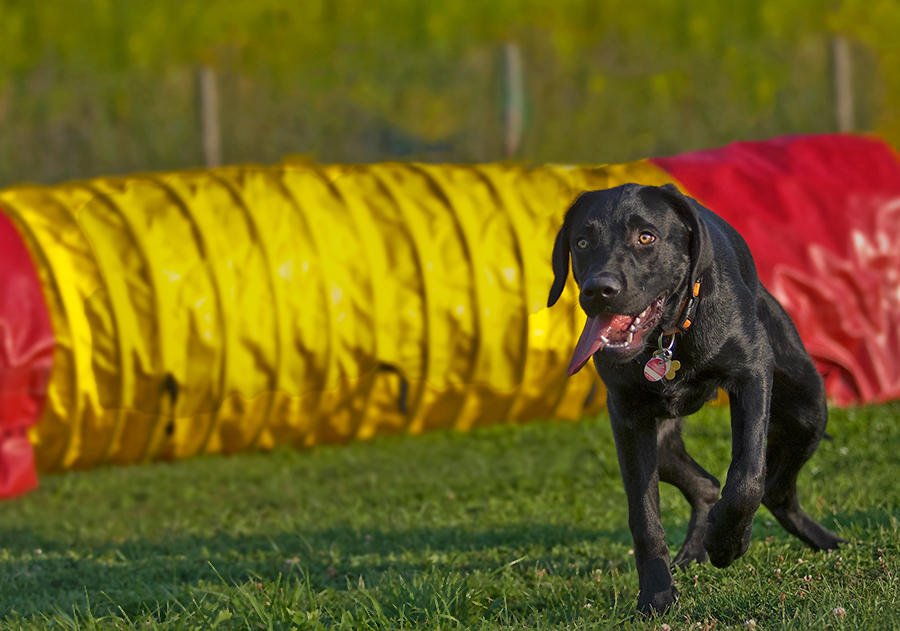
<point>682,399</point>
<point>683,395</point>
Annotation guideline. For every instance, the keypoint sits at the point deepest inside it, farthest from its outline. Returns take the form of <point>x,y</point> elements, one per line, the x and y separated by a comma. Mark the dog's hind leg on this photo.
<point>797,422</point>
<point>797,425</point>
<point>699,488</point>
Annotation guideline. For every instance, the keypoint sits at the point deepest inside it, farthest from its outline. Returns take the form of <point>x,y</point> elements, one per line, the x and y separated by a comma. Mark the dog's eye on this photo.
<point>646,238</point>
<point>582,244</point>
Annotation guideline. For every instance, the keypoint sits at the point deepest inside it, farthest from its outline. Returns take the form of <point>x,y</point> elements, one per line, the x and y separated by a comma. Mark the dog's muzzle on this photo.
<point>621,334</point>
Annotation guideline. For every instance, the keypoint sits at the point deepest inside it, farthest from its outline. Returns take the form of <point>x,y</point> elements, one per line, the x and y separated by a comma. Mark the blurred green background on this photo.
<point>95,87</point>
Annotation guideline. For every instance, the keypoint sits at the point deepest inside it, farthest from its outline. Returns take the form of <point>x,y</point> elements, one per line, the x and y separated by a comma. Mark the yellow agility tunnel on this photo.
<point>248,307</point>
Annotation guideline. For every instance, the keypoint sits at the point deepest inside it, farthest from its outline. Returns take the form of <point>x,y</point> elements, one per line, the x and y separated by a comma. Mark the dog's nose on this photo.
<point>601,287</point>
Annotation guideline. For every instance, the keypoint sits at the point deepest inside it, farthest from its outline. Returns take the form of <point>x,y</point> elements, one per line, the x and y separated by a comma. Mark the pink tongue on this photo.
<point>589,342</point>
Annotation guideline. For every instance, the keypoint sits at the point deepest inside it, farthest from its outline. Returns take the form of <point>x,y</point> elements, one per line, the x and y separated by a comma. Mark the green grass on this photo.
<point>504,527</point>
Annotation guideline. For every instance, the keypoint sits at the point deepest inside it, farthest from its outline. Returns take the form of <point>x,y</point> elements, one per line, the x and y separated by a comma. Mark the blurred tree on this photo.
<point>105,86</point>
<point>876,23</point>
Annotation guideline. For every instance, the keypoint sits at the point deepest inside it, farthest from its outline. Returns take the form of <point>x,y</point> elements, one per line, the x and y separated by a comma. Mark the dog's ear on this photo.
<point>688,209</point>
<point>560,257</point>
<point>560,265</point>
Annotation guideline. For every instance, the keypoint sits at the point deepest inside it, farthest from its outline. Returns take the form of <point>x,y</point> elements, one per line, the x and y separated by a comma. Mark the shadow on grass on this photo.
<point>138,574</point>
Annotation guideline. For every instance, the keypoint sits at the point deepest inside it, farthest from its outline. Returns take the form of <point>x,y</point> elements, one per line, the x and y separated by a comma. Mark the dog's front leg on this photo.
<point>730,520</point>
<point>637,450</point>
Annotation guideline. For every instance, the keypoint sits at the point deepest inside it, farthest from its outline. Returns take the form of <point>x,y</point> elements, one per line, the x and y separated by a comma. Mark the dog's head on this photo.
<point>635,251</point>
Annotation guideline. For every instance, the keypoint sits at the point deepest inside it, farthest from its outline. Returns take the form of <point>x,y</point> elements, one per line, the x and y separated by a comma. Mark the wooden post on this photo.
<point>209,117</point>
<point>843,84</point>
<point>513,110</point>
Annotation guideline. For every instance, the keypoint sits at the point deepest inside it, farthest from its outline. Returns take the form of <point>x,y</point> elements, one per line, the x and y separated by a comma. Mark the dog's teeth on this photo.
<point>603,340</point>
<point>637,321</point>
<point>630,336</point>
<point>632,328</point>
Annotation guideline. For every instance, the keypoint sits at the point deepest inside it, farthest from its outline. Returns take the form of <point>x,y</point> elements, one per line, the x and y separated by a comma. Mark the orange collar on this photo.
<point>688,308</point>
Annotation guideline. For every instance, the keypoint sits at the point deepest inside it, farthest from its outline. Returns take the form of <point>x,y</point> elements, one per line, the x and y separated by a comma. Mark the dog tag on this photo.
<point>661,364</point>
<point>670,374</point>
<point>657,367</point>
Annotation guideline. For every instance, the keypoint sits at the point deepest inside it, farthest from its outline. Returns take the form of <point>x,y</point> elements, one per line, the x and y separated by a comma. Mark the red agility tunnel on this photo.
<point>160,316</point>
<point>26,358</point>
<point>821,215</point>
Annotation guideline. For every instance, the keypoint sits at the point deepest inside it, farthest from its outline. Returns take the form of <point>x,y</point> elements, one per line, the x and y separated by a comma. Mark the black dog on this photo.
<point>670,289</point>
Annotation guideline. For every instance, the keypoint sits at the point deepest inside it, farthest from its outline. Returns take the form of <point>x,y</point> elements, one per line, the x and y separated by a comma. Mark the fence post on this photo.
<point>209,117</point>
<point>843,84</point>
<point>513,109</point>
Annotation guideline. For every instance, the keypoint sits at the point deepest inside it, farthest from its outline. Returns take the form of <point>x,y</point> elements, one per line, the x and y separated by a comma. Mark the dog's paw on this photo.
<point>694,553</point>
<point>727,535</point>
<point>817,536</point>
<point>657,590</point>
<point>651,604</point>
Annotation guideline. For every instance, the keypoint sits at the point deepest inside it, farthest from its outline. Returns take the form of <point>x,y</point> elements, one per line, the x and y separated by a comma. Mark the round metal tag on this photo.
<point>656,368</point>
